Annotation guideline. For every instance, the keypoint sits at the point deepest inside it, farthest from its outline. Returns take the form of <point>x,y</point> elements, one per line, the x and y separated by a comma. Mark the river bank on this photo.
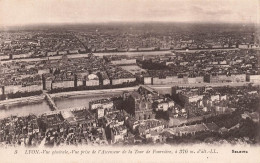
<point>91,92</point>
<point>22,100</point>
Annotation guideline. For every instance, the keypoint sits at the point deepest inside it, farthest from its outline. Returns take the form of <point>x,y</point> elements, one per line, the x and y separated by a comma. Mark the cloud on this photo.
<point>203,11</point>
<point>87,11</point>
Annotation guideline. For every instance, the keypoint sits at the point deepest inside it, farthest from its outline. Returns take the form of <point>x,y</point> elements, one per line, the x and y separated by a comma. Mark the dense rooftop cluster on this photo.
<point>205,62</point>
<point>54,41</point>
<point>220,100</point>
<point>28,44</point>
<point>154,36</point>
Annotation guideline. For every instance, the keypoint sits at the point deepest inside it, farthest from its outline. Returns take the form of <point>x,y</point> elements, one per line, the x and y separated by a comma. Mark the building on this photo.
<point>164,105</point>
<point>100,112</point>
<point>238,77</point>
<point>69,117</point>
<point>12,89</point>
<point>43,71</point>
<point>92,80</point>
<point>60,84</point>
<point>118,133</point>
<point>102,103</point>
<point>103,78</point>
<point>185,130</point>
<point>124,61</point>
<point>1,90</point>
<point>139,106</point>
<point>4,56</point>
<point>189,97</point>
<point>52,119</point>
<point>222,78</point>
<point>73,51</point>
<point>62,52</point>
<point>32,87</point>
<point>83,115</point>
<point>254,78</point>
<point>51,53</point>
<point>147,80</point>
<point>118,81</point>
<point>254,116</point>
<point>165,80</point>
<point>147,126</point>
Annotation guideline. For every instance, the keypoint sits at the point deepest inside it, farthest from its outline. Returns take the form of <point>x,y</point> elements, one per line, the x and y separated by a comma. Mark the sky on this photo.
<point>25,12</point>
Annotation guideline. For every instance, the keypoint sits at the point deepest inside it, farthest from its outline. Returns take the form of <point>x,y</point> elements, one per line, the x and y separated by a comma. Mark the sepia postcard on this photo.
<point>129,81</point>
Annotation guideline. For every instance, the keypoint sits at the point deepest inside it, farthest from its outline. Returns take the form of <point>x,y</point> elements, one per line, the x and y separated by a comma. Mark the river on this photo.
<point>24,109</point>
<point>69,102</point>
<point>61,102</point>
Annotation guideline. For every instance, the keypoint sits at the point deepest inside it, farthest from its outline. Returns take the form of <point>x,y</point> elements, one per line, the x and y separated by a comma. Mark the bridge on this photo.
<point>50,102</point>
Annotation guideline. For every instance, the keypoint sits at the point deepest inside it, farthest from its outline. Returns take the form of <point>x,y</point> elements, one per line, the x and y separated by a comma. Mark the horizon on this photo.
<point>67,25</point>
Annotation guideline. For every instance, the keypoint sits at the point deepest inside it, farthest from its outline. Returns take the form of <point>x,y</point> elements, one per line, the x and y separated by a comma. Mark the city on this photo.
<point>129,84</point>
